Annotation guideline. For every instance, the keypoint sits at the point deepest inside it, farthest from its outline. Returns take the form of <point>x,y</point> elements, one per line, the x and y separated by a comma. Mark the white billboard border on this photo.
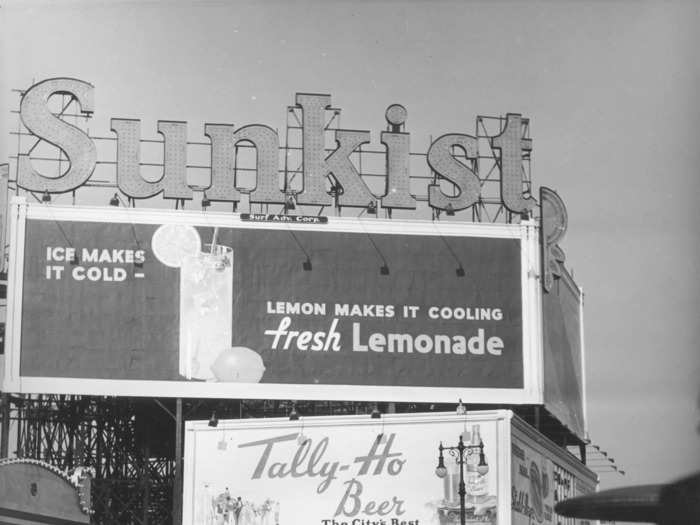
<point>526,233</point>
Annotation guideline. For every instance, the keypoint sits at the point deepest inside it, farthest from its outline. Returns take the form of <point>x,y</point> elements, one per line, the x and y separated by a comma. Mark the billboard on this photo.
<point>564,396</point>
<point>346,470</point>
<point>532,491</point>
<point>543,474</point>
<point>120,301</point>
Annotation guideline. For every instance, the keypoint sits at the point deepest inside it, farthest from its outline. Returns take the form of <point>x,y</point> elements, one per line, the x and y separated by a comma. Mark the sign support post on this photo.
<point>5,436</point>
<point>177,482</point>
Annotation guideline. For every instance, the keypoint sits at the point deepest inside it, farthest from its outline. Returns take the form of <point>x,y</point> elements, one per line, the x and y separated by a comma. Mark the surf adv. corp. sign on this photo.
<point>169,303</point>
<point>317,164</point>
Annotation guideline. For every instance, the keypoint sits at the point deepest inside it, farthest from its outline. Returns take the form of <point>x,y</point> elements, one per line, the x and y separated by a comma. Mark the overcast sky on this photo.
<point>611,90</point>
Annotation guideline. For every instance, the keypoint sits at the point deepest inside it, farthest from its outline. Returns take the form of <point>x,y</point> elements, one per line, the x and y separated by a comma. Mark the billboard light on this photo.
<point>289,203</point>
<point>461,409</point>
<point>307,265</point>
<point>294,415</point>
<point>205,200</point>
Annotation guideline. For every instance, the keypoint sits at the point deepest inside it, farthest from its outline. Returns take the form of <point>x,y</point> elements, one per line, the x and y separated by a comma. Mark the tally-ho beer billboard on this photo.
<point>135,302</point>
<point>347,470</point>
<point>354,470</point>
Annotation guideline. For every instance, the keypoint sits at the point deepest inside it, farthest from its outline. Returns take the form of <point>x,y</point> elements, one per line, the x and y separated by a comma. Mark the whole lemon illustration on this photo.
<point>238,364</point>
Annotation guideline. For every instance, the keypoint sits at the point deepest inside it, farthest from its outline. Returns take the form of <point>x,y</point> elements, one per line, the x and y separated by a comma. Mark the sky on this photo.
<point>610,88</point>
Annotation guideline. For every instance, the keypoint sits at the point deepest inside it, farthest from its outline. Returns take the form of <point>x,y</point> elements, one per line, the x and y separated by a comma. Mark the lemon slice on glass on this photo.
<point>172,242</point>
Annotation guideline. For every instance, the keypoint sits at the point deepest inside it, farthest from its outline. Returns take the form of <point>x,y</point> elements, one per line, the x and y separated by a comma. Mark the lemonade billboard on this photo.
<point>175,303</point>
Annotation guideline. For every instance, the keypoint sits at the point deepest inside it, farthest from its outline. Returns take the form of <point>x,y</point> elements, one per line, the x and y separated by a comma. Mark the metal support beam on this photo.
<point>177,482</point>
<point>5,430</point>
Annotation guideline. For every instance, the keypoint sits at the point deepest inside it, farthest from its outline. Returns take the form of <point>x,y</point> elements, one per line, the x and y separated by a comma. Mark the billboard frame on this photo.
<point>526,232</point>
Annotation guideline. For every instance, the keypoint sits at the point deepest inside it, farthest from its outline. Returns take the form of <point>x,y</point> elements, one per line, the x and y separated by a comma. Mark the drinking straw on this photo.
<point>213,240</point>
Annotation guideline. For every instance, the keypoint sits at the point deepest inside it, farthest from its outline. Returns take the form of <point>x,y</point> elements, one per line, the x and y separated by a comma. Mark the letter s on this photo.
<point>77,146</point>
<point>443,162</point>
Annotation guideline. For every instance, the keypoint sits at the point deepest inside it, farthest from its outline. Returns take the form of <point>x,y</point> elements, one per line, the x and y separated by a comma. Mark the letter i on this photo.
<point>397,160</point>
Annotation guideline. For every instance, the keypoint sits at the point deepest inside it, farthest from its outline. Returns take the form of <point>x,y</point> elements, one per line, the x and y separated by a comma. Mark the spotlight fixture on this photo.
<point>306,265</point>
<point>372,208</point>
<point>213,420</point>
<point>461,409</point>
<point>525,215</point>
<point>206,202</point>
<point>460,271</point>
<point>449,210</point>
<point>46,197</point>
<point>289,203</point>
<point>384,270</point>
<point>294,415</point>
<point>336,189</point>
<point>114,201</point>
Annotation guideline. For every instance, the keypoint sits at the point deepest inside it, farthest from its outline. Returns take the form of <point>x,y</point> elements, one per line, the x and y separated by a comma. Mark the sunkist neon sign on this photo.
<point>317,164</point>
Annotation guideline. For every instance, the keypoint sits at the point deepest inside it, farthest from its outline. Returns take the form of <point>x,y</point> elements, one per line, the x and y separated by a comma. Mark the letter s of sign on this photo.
<point>77,146</point>
<point>443,162</point>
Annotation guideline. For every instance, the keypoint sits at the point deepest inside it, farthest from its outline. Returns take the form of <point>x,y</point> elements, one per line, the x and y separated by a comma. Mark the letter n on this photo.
<point>223,162</point>
<point>173,182</point>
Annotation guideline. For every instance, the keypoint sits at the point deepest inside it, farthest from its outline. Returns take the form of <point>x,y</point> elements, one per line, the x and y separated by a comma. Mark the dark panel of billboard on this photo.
<point>284,306</point>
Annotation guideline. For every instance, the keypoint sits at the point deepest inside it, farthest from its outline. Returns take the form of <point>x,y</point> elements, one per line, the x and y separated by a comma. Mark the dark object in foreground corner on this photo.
<point>675,503</point>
